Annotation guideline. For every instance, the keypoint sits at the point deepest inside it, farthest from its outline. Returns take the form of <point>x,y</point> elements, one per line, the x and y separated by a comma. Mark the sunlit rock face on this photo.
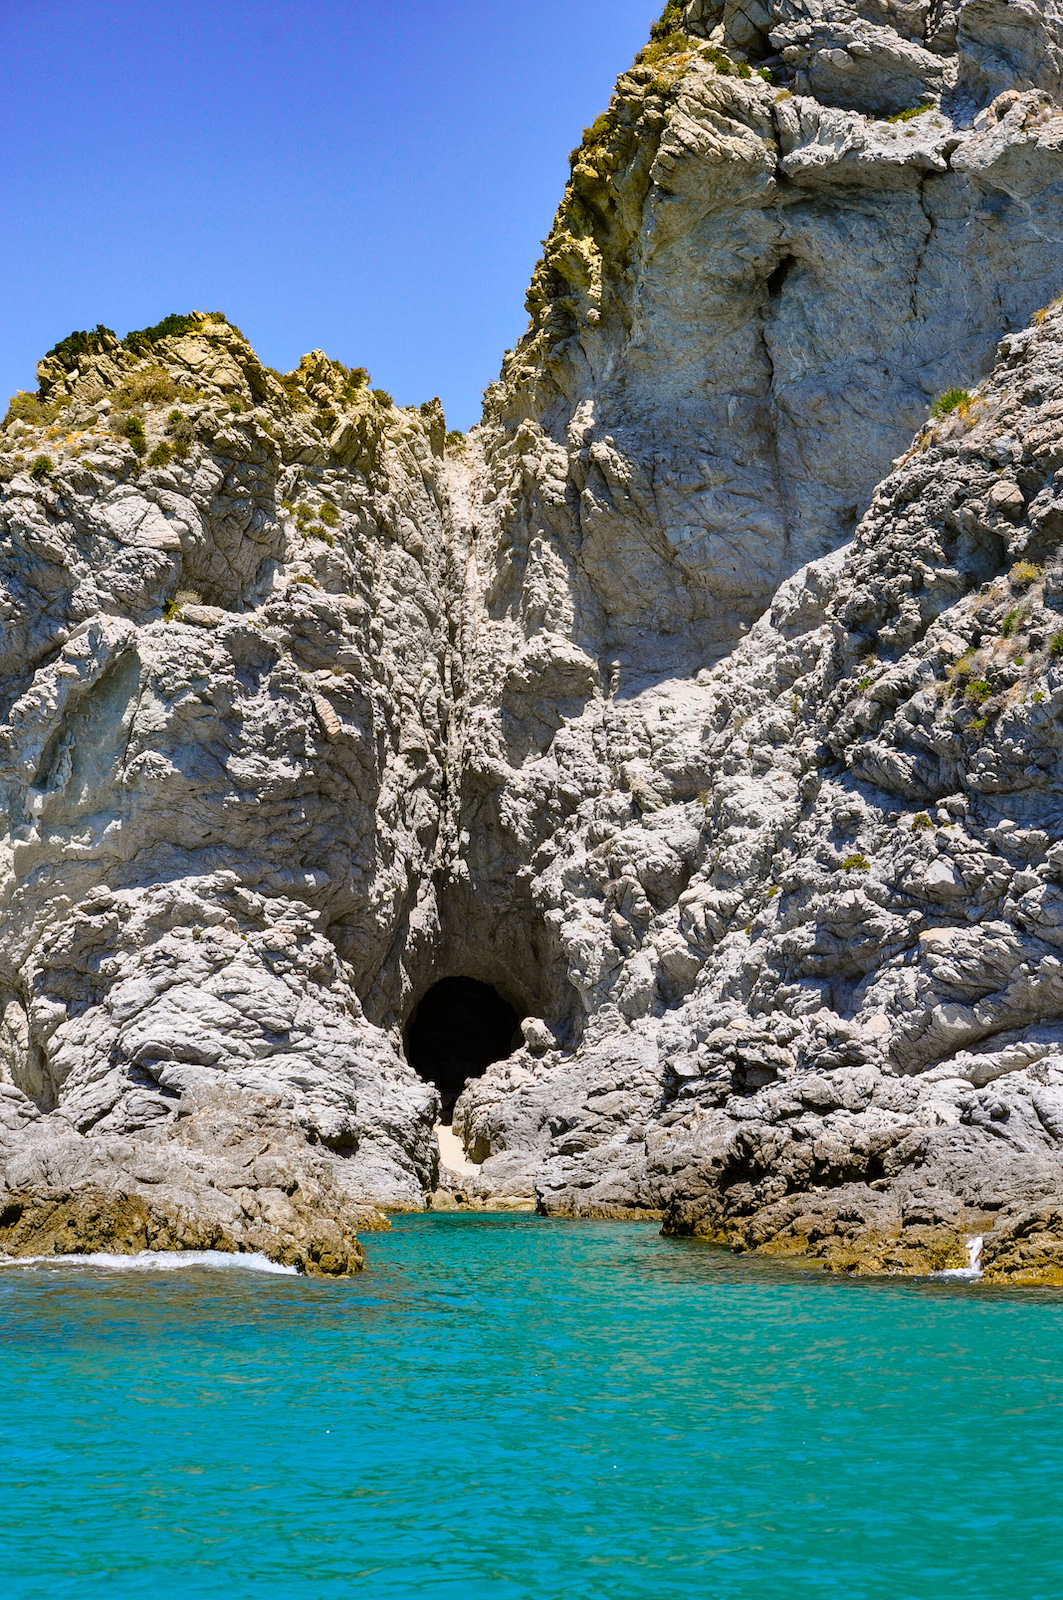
<point>225,690</point>
<point>688,704</point>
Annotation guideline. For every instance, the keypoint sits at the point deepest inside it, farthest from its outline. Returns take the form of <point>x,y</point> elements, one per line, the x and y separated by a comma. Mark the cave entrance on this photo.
<point>457,1030</point>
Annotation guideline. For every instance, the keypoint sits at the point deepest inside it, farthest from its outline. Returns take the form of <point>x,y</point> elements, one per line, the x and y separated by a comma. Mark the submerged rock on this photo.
<point>688,703</point>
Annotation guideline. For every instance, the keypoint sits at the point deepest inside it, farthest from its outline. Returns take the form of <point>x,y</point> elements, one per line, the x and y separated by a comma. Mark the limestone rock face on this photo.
<point>687,701</point>
<point>824,991</point>
<point>221,676</point>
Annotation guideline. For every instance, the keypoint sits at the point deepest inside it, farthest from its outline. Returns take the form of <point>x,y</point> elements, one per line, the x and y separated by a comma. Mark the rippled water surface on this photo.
<point>504,1406</point>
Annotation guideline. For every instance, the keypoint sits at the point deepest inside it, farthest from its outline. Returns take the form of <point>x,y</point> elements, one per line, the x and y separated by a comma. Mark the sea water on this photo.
<point>512,1407</point>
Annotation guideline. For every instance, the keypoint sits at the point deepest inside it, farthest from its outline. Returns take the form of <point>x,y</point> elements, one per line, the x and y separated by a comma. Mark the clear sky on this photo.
<point>368,177</point>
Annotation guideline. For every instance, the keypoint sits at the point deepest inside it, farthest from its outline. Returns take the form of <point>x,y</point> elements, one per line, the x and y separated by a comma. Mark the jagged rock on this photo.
<point>689,702</point>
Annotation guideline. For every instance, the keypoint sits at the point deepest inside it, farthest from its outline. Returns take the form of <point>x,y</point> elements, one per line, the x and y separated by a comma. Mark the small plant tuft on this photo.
<point>329,515</point>
<point>908,114</point>
<point>41,468</point>
<point>978,691</point>
<point>856,863</point>
<point>132,428</point>
<point>670,19</point>
<point>958,400</point>
<point>356,381</point>
<point>1055,646</point>
<point>666,36</point>
<point>160,456</point>
<point>1009,624</point>
<point>961,670</point>
<point>920,821</point>
<point>724,65</point>
<point>599,130</point>
<point>1023,573</point>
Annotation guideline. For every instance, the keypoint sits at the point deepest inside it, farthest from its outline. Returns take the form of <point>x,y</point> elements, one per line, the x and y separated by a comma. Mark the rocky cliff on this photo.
<point>689,702</point>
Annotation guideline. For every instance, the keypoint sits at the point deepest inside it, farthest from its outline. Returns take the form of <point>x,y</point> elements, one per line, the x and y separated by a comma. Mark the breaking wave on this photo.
<point>158,1261</point>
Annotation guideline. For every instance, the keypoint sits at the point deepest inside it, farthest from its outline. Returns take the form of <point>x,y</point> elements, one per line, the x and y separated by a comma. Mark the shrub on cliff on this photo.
<point>669,22</point>
<point>357,378</point>
<point>152,387</point>
<point>25,407</point>
<point>82,342</point>
<point>724,65</point>
<point>670,45</point>
<point>599,130</point>
<point>170,327</point>
<point>132,428</point>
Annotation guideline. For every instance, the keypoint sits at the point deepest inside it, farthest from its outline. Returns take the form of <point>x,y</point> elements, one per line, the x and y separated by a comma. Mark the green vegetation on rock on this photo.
<point>667,37</point>
<point>977,691</point>
<point>725,66</point>
<point>958,400</point>
<point>152,387</point>
<point>82,342</point>
<point>132,428</point>
<point>168,328</point>
<point>25,407</point>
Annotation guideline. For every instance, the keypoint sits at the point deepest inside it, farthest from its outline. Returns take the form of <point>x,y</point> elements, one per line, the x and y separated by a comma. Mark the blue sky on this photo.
<point>371,177</point>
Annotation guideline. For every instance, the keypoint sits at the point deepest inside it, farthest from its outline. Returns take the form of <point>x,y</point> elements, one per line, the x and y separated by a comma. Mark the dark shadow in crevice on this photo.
<point>777,278</point>
<point>460,1026</point>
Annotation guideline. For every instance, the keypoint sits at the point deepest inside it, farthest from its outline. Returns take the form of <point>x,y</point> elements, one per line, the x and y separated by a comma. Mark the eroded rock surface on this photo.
<point>754,822</point>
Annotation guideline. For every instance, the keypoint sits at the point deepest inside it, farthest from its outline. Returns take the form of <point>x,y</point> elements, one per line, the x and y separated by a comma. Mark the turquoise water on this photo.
<point>509,1407</point>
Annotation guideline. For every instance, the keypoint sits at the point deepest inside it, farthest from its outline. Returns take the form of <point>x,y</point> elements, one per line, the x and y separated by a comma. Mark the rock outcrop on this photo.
<point>688,702</point>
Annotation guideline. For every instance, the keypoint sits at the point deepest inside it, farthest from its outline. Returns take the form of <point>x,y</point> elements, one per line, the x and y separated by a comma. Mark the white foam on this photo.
<point>159,1261</point>
<point>972,1271</point>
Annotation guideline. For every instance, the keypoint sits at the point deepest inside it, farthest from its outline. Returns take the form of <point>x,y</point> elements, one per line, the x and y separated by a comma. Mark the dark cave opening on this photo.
<point>777,278</point>
<point>456,1031</point>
